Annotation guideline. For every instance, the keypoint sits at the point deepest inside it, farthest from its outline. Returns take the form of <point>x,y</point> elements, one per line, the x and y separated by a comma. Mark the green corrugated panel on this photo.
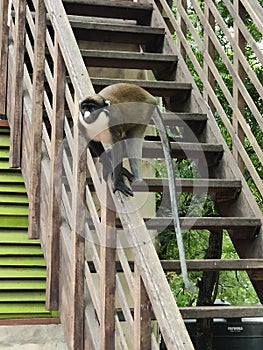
<point>22,296</point>
<point>7,249</point>
<point>22,261</point>
<point>13,221</point>
<point>13,198</point>
<point>15,209</point>
<point>4,139</point>
<point>22,265</point>
<point>9,236</point>
<point>22,272</point>
<point>4,152</point>
<point>22,284</point>
<point>11,176</point>
<point>13,187</point>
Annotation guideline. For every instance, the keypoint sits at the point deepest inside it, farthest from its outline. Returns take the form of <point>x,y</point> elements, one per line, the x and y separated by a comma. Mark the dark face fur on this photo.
<point>91,107</point>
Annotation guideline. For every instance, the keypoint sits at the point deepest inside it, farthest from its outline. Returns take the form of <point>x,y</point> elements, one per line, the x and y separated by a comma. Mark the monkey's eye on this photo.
<point>92,108</point>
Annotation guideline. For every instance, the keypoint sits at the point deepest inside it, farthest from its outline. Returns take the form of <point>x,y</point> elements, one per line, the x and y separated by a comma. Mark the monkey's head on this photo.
<point>92,106</point>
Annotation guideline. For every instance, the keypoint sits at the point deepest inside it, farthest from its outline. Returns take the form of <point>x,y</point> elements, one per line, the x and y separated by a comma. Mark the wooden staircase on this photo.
<point>119,41</point>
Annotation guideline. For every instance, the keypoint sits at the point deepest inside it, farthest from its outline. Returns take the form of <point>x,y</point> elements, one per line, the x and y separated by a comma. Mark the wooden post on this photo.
<point>3,54</point>
<point>210,51</point>
<point>142,315</point>
<point>238,98</point>
<point>36,120</point>
<point>55,181</point>
<point>184,29</point>
<point>107,272</point>
<point>17,87</point>
<point>78,234</point>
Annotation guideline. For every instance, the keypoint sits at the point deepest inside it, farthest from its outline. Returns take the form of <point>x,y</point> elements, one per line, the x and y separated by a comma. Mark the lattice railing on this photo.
<point>216,48</point>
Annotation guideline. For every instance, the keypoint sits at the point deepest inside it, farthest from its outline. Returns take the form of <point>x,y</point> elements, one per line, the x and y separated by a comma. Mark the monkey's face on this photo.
<point>92,106</point>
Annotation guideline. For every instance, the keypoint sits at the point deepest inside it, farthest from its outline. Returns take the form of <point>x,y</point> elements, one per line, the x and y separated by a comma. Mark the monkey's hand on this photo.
<point>127,174</point>
<point>123,188</point>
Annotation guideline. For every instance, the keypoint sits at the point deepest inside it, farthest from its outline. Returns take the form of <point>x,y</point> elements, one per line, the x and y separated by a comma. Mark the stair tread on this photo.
<point>111,9</point>
<point>221,311</point>
<point>169,87</point>
<point>200,265</point>
<point>223,189</point>
<point>87,30</point>
<point>83,22</point>
<point>214,265</point>
<point>163,66</point>
<point>129,56</point>
<point>209,222</point>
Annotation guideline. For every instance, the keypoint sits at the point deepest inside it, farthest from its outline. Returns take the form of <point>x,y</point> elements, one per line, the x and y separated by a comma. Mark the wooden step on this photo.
<point>163,66</point>
<point>179,92</point>
<point>215,265</point>
<point>141,13</point>
<point>251,265</point>
<point>150,38</point>
<point>242,227</point>
<point>221,311</point>
<point>211,153</point>
<point>195,121</point>
<point>221,190</point>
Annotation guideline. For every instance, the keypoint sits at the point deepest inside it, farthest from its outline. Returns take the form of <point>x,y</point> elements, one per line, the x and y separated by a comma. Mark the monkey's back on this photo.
<point>125,93</point>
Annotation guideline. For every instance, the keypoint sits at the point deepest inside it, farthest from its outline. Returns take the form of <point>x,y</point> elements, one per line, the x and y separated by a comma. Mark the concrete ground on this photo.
<point>32,337</point>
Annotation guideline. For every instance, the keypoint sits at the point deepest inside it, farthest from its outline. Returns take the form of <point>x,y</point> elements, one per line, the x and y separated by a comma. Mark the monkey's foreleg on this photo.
<point>119,171</point>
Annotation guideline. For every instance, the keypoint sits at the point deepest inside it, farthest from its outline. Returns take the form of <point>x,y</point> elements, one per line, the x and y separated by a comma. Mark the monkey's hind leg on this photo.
<point>134,144</point>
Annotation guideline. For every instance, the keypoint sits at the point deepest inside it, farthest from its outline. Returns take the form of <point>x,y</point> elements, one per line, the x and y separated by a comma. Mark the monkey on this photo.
<point>119,115</point>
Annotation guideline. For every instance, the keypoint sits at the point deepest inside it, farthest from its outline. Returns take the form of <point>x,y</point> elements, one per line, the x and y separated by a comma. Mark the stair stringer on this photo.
<point>245,205</point>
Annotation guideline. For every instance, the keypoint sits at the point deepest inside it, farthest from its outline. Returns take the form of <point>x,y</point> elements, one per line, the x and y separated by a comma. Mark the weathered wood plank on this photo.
<point>78,235</point>
<point>221,311</point>
<point>3,54</point>
<point>215,265</point>
<point>142,315</point>
<point>36,120</point>
<point>113,9</point>
<point>15,111</point>
<point>55,189</point>
<point>107,272</point>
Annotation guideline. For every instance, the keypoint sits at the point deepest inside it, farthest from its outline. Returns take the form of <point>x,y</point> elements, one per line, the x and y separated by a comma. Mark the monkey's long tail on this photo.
<point>158,120</point>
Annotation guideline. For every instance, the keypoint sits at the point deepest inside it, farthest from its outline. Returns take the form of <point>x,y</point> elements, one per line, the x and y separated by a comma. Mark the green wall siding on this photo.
<point>22,265</point>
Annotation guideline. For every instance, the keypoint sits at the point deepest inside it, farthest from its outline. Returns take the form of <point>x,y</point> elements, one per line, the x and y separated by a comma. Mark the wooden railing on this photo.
<point>99,308</point>
<point>199,30</point>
